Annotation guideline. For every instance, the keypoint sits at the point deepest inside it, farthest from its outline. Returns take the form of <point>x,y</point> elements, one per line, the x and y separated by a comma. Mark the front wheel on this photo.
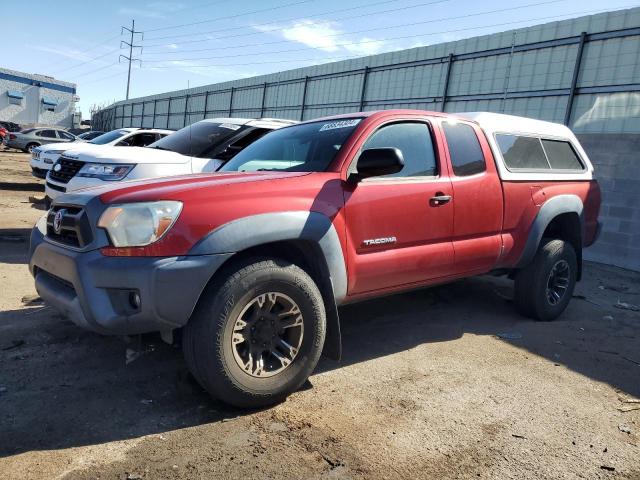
<point>544,288</point>
<point>256,334</point>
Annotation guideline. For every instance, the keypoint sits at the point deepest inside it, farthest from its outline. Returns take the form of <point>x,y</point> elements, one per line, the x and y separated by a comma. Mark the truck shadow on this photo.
<point>14,245</point>
<point>63,387</point>
<point>22,186</point>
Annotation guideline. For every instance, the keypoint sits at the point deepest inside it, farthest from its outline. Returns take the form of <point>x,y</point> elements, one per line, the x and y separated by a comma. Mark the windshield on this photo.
<point>198,140</point>
<point>109,137</point>
<point>309,147</point>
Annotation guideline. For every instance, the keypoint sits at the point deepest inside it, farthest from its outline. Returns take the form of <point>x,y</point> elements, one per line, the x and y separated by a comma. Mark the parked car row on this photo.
<point>27,139</point>
<point>44,157</point>
<point>251,263</point>
<point>199,148</point>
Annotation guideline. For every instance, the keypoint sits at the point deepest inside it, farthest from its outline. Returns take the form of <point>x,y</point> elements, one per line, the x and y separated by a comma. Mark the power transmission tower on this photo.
<point>131,46</point>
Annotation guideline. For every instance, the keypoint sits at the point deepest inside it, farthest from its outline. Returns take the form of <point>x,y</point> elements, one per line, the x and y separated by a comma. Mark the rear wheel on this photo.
<point>256,334</point>
<point>544,288</point>
<point>29,148</point>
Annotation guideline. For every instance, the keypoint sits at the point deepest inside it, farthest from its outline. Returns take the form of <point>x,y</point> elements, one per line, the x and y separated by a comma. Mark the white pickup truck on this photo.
<point>198,148</point>
<point>44,156</point>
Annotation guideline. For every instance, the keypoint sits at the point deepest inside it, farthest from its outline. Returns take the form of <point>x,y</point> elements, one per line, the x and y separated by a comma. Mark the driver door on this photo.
<point>397,233</point>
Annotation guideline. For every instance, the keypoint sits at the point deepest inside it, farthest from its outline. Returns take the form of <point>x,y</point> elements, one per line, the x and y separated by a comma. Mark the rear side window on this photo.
<point>561,155</point>
<point>414,141</point>
<point>65,135</point>
<point>47,133</point>
<point>465,151</point>
<point>522,153</point>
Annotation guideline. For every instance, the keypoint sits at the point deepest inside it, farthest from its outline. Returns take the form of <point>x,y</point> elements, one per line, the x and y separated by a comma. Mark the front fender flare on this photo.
<point>262,229</point>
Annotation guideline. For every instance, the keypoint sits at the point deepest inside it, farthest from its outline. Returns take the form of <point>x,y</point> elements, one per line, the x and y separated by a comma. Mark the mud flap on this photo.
<point>333,339</point>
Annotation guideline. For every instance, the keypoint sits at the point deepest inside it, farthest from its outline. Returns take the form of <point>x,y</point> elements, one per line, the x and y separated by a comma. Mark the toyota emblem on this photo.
<point>57,221</point>
<point>57,167</point>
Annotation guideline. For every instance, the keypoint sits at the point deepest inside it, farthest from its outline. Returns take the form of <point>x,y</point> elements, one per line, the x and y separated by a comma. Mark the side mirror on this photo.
<point>376,162</point>
<point>123,143</point>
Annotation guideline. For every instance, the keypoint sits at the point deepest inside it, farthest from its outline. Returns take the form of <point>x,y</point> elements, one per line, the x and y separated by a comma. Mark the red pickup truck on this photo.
<point>251,262</point>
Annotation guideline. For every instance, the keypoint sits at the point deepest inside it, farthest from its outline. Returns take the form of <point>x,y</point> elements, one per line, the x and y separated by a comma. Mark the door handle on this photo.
<point>439,199</point>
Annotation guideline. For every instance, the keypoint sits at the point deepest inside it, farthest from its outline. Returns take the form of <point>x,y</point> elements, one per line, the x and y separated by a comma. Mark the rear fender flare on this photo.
<point>553,207</point>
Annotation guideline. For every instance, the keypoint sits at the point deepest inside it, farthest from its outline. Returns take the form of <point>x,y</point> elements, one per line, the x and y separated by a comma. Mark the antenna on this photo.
<point>186,107</point>
<point>130,58</point>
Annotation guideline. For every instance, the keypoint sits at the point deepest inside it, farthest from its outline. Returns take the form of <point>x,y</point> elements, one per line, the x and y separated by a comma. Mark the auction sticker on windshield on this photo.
<point>230,126</point>
<point>340,124</point>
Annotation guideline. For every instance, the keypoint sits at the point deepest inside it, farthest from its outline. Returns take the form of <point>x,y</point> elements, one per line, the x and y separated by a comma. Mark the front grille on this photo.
<point>74,228</point>
<point>68,169</point>
<point>56,187</point>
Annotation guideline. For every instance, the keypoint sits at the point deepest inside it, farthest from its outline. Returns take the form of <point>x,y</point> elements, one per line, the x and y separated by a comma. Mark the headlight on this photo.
<point>55,152</point>
<point>105,171</point>
<point>139,224</point>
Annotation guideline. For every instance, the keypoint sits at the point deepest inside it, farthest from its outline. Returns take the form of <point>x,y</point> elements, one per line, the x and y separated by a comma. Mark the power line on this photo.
<point>96,70</point>
<point>84,51</point>
<point>92,59</point>
<point>329,59</point>
<point>117,74</point>
<point>384,28</point>
<point>329,12</point>
<point>228,17</point>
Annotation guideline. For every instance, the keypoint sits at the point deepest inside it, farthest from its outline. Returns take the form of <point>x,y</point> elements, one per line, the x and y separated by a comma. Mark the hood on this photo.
<point>176,187</point>
<point>63,146</point>
<point>111,154</point>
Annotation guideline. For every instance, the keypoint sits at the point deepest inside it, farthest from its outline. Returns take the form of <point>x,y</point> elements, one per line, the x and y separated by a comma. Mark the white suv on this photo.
<point>43,157</point>
<point>198,148</point>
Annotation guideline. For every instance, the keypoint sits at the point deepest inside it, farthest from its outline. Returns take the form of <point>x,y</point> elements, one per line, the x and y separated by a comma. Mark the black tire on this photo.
<point>30,147</point>
<point>207,340</point>
<point>534,292</point>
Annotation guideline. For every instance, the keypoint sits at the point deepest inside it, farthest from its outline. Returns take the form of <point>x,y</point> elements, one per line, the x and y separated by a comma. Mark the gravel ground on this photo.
<point>446,383</point>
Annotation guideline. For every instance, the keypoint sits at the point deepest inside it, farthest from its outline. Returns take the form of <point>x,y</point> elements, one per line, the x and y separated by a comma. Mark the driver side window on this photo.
<point>141,139</point>
<point>413,139</point>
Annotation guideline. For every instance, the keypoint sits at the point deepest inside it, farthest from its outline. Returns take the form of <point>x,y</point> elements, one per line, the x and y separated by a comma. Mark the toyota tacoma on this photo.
<point>250,263</point>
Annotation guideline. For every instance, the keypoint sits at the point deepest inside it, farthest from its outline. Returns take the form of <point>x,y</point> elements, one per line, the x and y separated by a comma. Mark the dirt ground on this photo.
<point>445,383</point>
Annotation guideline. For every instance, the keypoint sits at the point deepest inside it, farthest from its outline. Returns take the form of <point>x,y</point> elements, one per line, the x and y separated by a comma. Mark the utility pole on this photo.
<point>131,46</point>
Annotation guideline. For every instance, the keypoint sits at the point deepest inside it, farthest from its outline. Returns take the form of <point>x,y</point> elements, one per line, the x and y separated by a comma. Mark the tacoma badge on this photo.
<point>379,241</point>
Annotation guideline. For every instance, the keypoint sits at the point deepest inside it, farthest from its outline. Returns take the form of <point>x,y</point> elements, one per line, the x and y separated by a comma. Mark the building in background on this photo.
<point>584,72</point>
<point>37,100</point>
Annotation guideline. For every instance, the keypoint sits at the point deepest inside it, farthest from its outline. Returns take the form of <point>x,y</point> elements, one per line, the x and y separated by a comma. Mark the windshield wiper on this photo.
<point>161,148</point>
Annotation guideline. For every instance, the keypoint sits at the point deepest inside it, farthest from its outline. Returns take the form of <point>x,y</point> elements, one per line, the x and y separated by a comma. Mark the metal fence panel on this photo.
<point>548,71</point>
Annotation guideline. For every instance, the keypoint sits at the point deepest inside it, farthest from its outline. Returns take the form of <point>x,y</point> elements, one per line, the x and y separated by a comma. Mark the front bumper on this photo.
<point>40,173</point>
<point>95,291</point>
<point>53,190</point>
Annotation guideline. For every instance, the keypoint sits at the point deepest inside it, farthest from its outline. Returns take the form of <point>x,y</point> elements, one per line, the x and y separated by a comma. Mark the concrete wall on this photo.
<point>616,161</point>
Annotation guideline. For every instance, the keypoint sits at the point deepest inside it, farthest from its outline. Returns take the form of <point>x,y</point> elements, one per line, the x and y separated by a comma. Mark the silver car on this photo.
<point>27,140</point>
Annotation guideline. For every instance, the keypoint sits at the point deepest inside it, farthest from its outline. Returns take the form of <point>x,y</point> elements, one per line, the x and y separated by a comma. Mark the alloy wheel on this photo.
<point>267,334</point>
<point>558,282</point>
